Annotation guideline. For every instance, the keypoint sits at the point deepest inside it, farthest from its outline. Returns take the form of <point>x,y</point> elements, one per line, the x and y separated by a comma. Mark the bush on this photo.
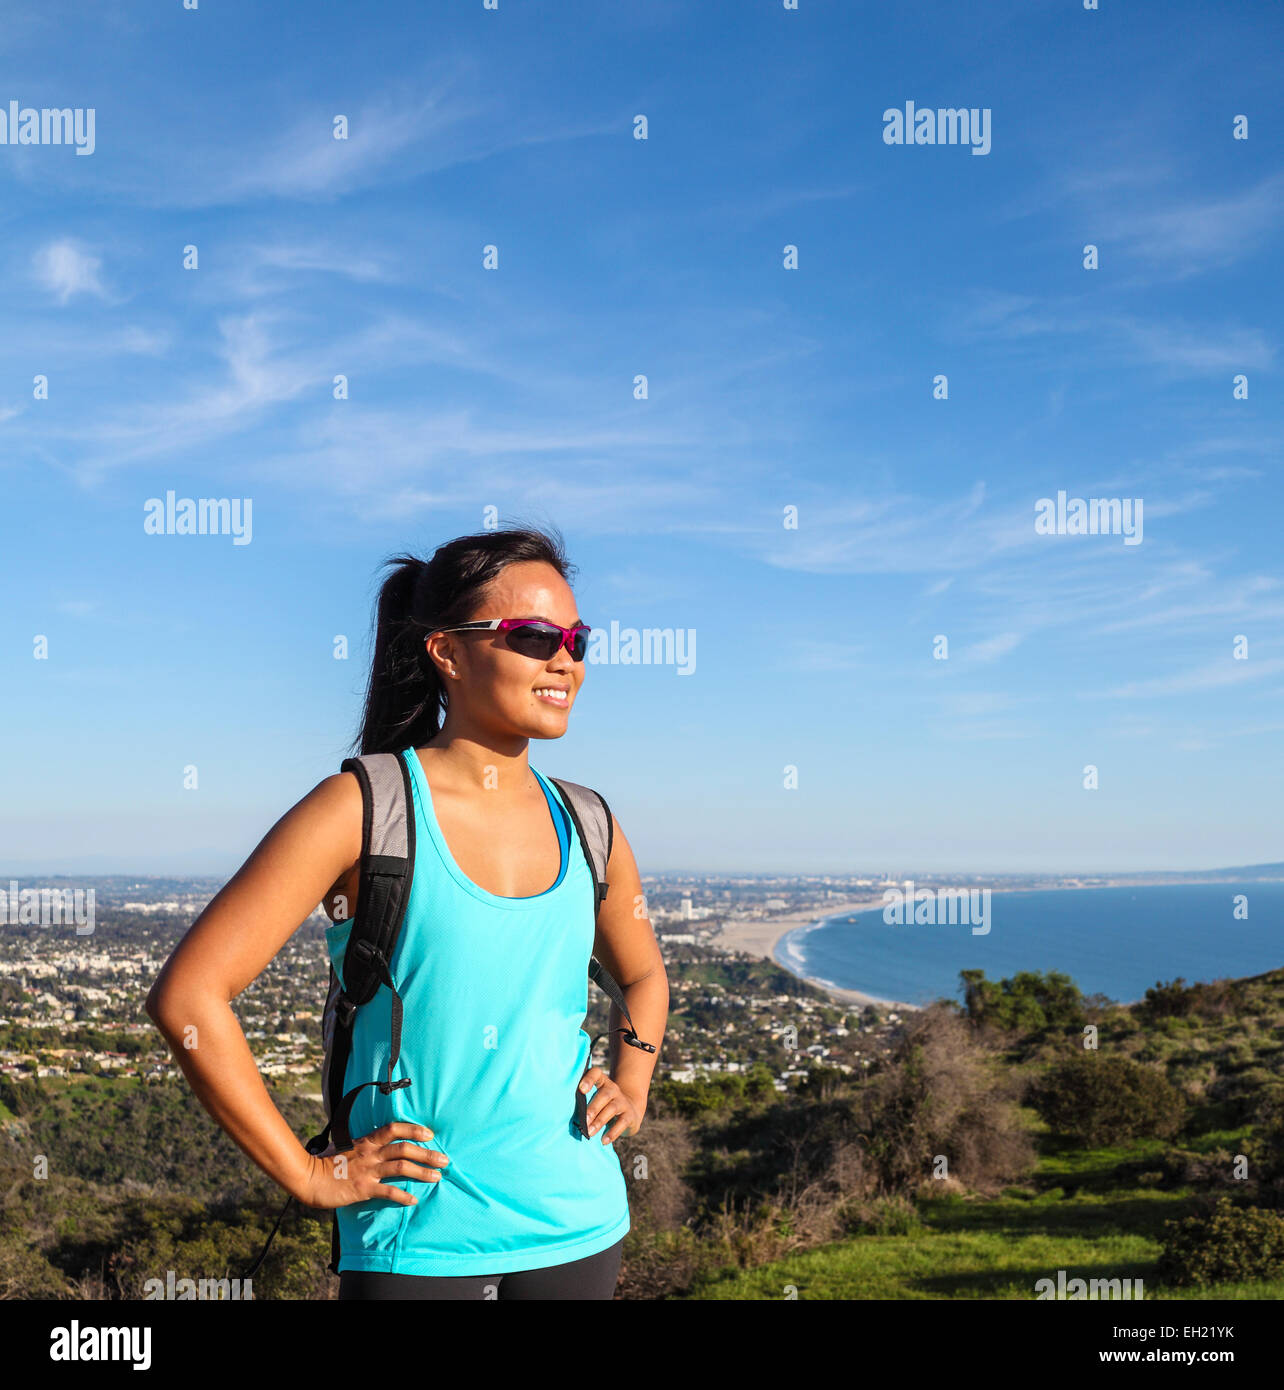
<point>1027,1003</point>
<point>941,1096</point>
<point>1094,1100</point>
<point>20,1097</point>
<point>884,1216</point>
<point>653,1163</point>
<point>1177,1000</point>
<point>1182,1168</point>
<point>1268,1142</point>
<point>718,1092</point>
<point>1226,1245</point>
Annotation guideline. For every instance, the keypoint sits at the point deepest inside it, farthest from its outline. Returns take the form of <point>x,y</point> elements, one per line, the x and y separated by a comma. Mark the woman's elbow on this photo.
<point>154,1004</point>
<point>161,1002</point>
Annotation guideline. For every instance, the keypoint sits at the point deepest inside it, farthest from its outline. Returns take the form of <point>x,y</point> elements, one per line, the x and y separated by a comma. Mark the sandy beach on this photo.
<point>759,937</point>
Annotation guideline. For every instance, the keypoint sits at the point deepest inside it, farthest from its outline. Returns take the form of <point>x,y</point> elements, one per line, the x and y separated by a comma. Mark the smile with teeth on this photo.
<point>552,694</point>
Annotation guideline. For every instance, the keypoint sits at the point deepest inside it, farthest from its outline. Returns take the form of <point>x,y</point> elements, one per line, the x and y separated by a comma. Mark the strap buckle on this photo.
<point>319,1143</point>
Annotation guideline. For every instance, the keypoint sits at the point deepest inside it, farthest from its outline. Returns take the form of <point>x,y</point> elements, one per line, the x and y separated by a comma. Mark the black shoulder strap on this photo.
<point>387,869</point>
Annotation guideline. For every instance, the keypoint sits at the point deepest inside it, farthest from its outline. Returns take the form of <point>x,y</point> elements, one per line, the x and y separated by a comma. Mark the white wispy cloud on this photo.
<point>1192,234</point>
<point>1195,348</point>
<point>416,125</point>
<point>268,268</point>
<point>812,654</point>
<point>1214,676</point>
<point>254,377</point>
<point>66,268</point>
<point>972,704</point>
<point>893,533</point>
<point>991,648</point>
<point>1128,339</point>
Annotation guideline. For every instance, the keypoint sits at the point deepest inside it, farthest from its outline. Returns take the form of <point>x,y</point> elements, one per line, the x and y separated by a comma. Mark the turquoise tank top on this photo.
<point>494,991</point>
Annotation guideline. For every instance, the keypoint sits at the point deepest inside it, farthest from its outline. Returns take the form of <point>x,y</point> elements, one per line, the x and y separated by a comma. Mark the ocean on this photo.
<point>1113,941</point>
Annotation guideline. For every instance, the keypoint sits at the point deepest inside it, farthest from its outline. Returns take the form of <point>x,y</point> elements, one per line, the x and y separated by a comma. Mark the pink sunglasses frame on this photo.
<point>507,624</point>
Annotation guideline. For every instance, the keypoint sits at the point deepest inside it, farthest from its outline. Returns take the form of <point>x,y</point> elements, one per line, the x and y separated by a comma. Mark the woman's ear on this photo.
<point>439,658</point>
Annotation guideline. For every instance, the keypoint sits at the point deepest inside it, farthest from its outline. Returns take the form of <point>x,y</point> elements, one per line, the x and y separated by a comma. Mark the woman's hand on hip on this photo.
<point>362,1172</point>
<point>610,1103</point>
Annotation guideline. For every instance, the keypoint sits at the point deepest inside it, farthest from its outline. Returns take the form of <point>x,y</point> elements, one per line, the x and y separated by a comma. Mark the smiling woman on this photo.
<point>477,651</point>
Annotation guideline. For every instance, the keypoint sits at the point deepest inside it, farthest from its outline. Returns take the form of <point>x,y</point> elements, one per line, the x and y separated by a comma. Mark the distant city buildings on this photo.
<point>68,1012</point>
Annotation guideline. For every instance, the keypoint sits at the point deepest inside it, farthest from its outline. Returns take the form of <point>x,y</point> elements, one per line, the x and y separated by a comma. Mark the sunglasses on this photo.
<point>533,637</point>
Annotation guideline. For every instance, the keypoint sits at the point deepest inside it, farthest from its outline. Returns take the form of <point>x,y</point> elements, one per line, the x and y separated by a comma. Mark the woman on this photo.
<point>471,1182</point>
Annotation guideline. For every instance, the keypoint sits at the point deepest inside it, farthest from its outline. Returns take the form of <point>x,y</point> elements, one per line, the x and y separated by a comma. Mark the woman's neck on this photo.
<point>470,764</point>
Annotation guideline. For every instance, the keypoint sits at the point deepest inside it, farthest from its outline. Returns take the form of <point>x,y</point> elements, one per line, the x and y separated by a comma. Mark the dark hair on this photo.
<point>405,698</point>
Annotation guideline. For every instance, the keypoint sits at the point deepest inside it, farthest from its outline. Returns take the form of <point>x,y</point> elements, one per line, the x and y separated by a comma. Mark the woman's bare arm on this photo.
<point>308,852</point>
<point>626,945</point>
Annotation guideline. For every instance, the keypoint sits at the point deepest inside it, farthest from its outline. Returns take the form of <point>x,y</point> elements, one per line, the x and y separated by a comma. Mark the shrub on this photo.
<point>1226,1245</point>
<point>1268,1142</point>
<point>653,1162</point>
<point>1182,1168</point>
<point>1178,1000</point>
<point>941,1096</point>
<point>1028,1002</point>
<point>1094,1100</point>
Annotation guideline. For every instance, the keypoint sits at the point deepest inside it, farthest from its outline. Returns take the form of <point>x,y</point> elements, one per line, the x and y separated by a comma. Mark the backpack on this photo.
<point>386,873</point>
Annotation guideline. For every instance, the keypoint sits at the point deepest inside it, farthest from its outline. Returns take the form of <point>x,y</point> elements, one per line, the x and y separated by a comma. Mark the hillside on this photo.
<point>966,1161</point>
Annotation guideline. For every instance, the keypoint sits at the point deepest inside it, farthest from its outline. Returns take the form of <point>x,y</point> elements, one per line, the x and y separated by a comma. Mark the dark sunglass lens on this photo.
<point>579,644</point>
<point>534,639</point>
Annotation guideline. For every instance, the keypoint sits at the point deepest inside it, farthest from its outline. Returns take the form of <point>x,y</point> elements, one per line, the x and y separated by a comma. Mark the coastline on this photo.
<point>760,937</point>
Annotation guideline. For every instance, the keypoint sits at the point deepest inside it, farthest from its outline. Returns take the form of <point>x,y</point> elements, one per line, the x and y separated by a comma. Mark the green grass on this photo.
<point>998,1248</point>
<point>995,1249</point>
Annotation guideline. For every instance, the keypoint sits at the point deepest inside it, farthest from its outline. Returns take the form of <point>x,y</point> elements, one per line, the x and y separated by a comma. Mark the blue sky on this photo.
<point>769,388</point>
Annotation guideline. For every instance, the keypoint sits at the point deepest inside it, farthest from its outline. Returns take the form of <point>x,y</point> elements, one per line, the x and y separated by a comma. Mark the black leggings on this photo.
<point>590,1278</point>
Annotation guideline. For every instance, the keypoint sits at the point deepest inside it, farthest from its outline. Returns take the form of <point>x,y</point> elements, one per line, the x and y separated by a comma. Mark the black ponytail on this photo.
<point>405,697</point>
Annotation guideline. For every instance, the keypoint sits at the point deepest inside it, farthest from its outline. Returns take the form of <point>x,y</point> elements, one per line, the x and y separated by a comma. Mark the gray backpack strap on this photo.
<point>387,870</point>
<point>387,865</point>
<point>592,819</point>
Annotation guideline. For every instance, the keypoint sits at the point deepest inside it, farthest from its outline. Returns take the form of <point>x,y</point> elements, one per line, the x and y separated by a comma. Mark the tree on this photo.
<point>1091,1099</point>
<point>1029,1002</point>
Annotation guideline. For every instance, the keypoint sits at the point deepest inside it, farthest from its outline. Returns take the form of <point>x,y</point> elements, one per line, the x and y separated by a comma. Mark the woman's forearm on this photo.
<point>630,1067</point>
<point>212,1051</point>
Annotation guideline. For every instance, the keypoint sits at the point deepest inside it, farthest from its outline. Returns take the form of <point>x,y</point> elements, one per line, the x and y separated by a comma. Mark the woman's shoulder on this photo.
<point>333,809</point>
